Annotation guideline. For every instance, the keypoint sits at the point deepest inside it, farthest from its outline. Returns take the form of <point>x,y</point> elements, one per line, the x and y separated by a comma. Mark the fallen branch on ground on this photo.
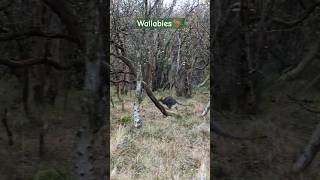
<point>309,153</point>
<point>204,82</point>
<point>215,128</point>
<point>310,109</point>
<point>206,109</point>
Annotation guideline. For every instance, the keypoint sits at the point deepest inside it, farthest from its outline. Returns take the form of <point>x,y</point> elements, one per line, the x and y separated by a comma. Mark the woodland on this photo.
<point>150,69</point>
<point>244,76</point>
<point>265,89</point>
<point>53,86</point>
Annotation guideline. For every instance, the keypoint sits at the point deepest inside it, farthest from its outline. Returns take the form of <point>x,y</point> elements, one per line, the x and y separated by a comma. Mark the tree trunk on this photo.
<point>206,109</point>
<point>137,121</point>
<point>232,84</point>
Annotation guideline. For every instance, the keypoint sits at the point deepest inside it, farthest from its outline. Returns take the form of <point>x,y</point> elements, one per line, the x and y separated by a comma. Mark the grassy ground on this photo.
<point>164,147</point>
<point>21,161</point>
<point>288,128</point>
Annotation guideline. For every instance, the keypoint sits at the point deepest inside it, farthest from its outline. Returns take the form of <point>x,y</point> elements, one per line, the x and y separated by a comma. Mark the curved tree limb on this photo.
<point>310,56</point>
<point>155,101</point>
<point>68,17</point>
<point>36,33</point>
<point>215,128</point>
<point>35,61</point>
<point>206,109</point>
<point>204,81</point>
<point>120,81</point>
<point>309,153</point>
<point>145,86</point>
<point>304,16</point>
<point>313,82</point>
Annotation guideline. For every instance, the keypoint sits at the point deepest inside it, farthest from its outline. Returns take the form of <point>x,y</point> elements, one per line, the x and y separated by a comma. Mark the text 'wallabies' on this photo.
<point>169,101</point>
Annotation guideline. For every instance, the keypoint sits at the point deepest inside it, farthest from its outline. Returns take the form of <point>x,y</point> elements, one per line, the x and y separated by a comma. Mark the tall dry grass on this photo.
<point>165,147</point>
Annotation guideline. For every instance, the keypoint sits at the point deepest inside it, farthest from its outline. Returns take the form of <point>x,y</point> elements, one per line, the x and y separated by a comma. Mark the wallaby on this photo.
<point>170,101</point>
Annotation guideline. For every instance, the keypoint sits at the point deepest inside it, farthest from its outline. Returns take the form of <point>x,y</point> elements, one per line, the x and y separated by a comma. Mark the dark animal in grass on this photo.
<point>170,101</point>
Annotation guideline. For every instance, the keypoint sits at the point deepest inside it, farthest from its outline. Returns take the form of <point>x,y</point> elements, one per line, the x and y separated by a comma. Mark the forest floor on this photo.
<point>288,127</point>
<point>21,161</point>
<point>164,147</point>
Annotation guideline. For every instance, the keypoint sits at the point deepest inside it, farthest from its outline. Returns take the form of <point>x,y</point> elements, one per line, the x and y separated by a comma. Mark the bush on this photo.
<point>125,119</point>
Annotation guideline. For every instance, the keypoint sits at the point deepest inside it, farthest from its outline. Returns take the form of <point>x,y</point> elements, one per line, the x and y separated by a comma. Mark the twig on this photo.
<point>6,126</point>
<point>310,109</point>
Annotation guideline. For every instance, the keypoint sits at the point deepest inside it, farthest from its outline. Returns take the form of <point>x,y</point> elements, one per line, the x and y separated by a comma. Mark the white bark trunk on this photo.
<point>206,109</point>
<point>93,101</point>
<point>137,121</point>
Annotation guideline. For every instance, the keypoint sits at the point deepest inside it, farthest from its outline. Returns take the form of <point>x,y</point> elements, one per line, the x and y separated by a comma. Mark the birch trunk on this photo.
<point>206,109</point>
<point>137,121</point>
<point>93,102</point>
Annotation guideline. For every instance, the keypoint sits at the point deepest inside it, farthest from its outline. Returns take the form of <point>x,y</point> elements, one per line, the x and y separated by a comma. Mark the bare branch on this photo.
<point>154,5</point>
<point>149,92</point>
<point>304,16</point>
<point>310,109</point>
<point>34,61</point>
<point>120,81</point>
<point>206,109</point>
<point>36,33</point>
<point>121,72</point>
<point>310,56</point>
<point>68,17</point>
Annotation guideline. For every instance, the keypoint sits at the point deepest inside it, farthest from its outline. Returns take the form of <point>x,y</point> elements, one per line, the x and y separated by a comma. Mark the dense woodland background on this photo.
<point>265,82</point>
<point>53,68</point>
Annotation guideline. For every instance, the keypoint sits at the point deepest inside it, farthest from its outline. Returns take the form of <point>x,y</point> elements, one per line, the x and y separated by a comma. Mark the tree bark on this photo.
<point>137,121</point>
<point>309,153</point>
<point>92,45</point>
<point>206,109</point>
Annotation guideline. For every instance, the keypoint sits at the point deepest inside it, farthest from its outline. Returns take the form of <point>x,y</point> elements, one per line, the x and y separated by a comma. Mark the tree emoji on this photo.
<point>177,22</point>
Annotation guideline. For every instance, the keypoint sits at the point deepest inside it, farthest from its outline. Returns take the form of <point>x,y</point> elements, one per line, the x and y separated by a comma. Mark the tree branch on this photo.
<point>304,16</point>
<point>154,5</point>
<point>69,18</point>
<point>149,92</point>
<point>121,72</point>
<point>36,33</point>
<point>309,153</point>
<point>35,61</point>
<point>120,81</point>
<point>310,109</point>
<point>310,56</point>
